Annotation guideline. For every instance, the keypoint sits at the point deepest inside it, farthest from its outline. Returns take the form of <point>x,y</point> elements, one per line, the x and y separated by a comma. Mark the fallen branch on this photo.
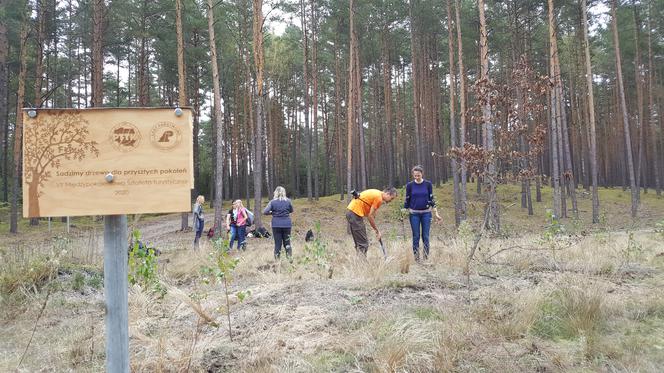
<point>34,329</point>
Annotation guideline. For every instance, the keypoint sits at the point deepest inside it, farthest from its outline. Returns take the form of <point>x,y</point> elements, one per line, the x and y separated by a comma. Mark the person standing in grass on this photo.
<point>199,220</point>
<point>236,225</point>
<point>280,208</point>
<point>420,202</point>
<point>366,204</point>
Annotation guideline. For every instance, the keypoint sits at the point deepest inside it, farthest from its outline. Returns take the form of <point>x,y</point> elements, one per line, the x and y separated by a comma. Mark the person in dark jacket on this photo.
<point>420,203</point>
<point>280,208</point>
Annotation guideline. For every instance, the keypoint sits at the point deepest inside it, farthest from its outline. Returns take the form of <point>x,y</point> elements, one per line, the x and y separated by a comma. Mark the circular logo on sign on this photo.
<point>125,136</point>
<point>165,136</point>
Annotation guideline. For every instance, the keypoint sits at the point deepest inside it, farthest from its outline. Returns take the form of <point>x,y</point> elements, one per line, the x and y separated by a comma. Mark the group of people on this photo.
<point>238,218</point>
<point>419,203</point>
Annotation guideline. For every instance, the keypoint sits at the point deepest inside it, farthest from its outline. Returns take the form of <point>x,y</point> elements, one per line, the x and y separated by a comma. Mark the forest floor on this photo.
<point>538,297</point>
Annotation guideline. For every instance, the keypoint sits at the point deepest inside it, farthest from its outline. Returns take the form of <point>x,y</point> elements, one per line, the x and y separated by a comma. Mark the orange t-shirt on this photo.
<point>372,197</point>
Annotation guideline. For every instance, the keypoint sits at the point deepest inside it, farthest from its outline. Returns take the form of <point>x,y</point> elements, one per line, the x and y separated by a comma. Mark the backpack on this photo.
<point>250,218</point>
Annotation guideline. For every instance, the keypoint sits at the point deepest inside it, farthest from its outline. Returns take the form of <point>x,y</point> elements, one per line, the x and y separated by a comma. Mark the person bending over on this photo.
<point>365,205</point>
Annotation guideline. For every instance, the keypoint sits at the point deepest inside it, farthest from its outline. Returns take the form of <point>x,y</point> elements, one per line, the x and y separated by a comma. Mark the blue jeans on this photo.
<point>199,232</point>
<point>239,234</point>
<point>423,222</point>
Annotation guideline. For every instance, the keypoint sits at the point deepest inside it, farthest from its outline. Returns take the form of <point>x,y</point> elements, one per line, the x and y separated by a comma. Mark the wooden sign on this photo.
<point>107,161</point>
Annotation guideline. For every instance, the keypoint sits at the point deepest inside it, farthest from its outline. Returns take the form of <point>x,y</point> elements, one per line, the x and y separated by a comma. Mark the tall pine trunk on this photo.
<point>314,75</point>
<point>490,176</point>
<point>638,76</point>
<point>182,85</point>
<point>462,107</point>
<point>218,128</point>
<point>554,120</point>
<point>259,61</point>
<point>415,78</point>
<point>653,113</point>
<point>623,109</point>
<point>387,93</point>
<point>453,135</point>
<point>4,125</point>
<point>591,113</point>
<point>97,82</point>
<point>352,94</point>
<point>18,128</point>
<point>305,67</point>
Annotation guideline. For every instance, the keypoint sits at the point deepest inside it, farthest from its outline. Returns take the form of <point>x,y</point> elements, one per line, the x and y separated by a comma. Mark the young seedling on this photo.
<point>222,271</point>
<point>143,265</point>
<point>316,253</point>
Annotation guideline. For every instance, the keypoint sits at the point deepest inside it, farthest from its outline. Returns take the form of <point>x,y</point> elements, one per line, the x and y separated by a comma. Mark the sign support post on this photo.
<point>115,293</point>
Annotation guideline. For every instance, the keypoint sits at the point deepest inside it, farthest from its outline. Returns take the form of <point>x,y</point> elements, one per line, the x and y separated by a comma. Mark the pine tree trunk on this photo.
<point>182,86</point>
<point>39,58</point>
<point>337,117</point>
<point>260,110</point>
<point>462,107</point>
<point>387,93</point>
<point>652,113</point>
<point>42,15</point>
<point>351,100</point>
<point>453,135</point>
<point>143,61</point>
<point>314,74</point>
<point>18,129</point>
<point>554,109</point>
<point>623,108</point>
<point>638,76</point>
<point>305,67</point>
<point>359,120</point>
<point>591,113</point>
<point>218,127</point>
<point>415,77</point>
<point>97,81</point>
<point>4,103</point>
<point>490,177</point>
<point>196,120</point>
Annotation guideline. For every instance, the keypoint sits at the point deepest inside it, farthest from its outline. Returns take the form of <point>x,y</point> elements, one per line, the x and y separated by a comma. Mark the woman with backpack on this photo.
<point>420,203</point>
<point>236,224</point>
<point>280,208</point>
<point>199,220</point>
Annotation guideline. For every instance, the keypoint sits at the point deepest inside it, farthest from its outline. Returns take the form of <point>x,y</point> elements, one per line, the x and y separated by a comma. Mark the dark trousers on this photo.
<point>420,223</point>
<point>359,232</point>
<point>281,237</point>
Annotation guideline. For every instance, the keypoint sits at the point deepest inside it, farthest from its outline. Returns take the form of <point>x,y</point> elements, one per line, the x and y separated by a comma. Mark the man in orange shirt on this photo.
<point>366,205</point>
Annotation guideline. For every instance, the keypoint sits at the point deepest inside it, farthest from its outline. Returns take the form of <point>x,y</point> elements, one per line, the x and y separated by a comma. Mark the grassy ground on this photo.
<point>537,297</point>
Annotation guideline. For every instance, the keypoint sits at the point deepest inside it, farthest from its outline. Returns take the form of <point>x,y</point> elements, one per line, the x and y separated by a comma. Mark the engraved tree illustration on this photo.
<point>50,140</point>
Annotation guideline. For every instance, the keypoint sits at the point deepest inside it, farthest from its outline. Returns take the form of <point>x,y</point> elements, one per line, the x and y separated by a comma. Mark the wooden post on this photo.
<point>115,293</point>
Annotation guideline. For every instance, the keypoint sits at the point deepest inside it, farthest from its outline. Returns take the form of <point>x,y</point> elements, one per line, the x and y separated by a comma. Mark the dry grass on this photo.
<point>589,300</point>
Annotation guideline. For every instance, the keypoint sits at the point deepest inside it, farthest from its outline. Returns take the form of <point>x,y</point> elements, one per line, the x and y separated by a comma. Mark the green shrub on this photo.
<point>143,265</point>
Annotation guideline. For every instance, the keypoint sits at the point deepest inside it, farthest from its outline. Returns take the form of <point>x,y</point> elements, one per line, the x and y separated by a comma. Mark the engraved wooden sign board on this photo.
<point>68,153</point>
